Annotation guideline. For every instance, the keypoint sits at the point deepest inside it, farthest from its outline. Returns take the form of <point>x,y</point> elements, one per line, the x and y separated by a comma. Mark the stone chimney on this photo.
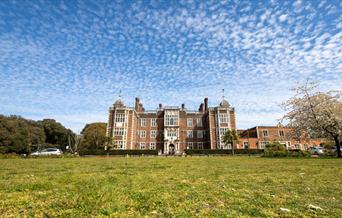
<point>200,109</point>
<point>206,104</point>
<point>141,107</point>
<point>137,102</point>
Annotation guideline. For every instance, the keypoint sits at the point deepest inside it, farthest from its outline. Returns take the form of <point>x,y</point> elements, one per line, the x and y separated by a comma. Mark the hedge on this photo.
<point>118,152</point>
<point>222,151</point>
<point>273,152</point>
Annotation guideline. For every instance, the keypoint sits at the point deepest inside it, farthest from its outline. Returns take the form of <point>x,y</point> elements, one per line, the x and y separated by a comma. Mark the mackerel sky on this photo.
<point>68,60</point>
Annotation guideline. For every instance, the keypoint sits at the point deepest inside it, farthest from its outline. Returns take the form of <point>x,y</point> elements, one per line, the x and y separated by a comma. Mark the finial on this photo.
<point>120,94</point>
<point>222,94</point>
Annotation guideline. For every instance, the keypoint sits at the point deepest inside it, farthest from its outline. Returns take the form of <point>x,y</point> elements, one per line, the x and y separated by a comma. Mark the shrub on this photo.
<point>117,152</point>
<point>329,153</point>
<point>298,153</point>
<point>275,149</point>
<point>221,151</point>
<point>328,145</point>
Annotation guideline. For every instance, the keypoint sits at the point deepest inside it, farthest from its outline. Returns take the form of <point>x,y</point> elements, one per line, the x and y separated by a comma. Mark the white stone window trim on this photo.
<point>143,122</point>
<point>189,134</point>
<point>152,145</point>
<point>142,134</point>
<point>153,134</point>
<point>153,122</point>
<point>189,122</point>
<point>263,133</point>
<point>199,122</point>
<point>142,145</point>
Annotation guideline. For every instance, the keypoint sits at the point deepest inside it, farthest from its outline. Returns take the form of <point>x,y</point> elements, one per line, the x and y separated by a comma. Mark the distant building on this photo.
<point>258,137</point>
<point>170,129</point>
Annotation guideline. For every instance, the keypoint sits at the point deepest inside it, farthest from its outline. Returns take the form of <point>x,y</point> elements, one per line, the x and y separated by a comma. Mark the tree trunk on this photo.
<point>338,147</point>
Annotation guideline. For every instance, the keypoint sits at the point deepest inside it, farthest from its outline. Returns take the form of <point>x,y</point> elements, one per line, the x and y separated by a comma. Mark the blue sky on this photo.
<point>68,60</point>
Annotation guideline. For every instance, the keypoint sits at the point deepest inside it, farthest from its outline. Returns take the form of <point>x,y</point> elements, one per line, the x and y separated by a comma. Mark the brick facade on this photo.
<point>257,137</point>
<point>170,129</point>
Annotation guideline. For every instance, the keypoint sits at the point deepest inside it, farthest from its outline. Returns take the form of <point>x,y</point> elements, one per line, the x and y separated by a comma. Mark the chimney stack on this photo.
<point>183,106</point>
<point>137,101</point>
<point>141,107</point>
<point>206,104</point>
<point>200,109</point>
<point>160,106</point>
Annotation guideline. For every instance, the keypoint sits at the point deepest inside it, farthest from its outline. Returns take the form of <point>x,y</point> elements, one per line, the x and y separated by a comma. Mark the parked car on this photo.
<point>47,151</point>
<point>316,150</point>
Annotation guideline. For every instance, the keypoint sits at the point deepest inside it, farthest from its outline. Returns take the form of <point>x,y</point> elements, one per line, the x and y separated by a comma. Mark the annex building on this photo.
<point>259,136</point>
<point>170,129</point>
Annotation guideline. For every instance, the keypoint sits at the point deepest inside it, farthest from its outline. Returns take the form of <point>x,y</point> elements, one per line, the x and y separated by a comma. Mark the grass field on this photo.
<point>166,187</point>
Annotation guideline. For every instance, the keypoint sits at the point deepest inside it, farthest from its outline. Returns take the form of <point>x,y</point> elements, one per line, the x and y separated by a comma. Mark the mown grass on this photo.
<point>167,187</point>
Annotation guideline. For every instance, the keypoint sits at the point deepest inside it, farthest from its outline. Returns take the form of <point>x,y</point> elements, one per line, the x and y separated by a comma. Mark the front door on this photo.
<point>171,149</point>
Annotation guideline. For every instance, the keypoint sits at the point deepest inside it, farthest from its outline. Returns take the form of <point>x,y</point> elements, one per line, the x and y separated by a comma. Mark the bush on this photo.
<point>278,150</point>
<point>275,149</point>
<point>117,152</point>
<point>328,145</point>
<point>329,153</point>
<point>298,153</point>
<point>222,151</point>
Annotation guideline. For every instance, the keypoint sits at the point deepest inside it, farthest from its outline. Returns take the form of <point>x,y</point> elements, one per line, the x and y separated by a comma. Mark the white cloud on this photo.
<point>71,64</point>
<point>283,18</point>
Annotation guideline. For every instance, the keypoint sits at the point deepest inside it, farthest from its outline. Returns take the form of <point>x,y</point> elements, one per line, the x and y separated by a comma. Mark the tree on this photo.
<point>94,136</point>
<point>318,114</point>
<point>19,135</point>
<point>74,141</point>
<point>55,133</point>
<point>230,137</point>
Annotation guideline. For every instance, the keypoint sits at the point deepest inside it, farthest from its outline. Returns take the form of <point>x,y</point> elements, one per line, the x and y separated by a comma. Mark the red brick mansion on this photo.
<point>170,129</point>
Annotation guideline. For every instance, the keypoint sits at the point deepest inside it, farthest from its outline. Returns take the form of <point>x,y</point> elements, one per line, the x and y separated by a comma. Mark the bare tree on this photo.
<point>318,114</point>
<point>74,140</point>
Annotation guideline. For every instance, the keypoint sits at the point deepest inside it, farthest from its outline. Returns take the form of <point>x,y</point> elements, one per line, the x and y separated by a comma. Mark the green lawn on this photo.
<point>173,186</point>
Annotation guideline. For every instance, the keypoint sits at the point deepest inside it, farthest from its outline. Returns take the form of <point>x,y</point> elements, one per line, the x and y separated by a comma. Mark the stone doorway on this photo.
<point>171,149</point>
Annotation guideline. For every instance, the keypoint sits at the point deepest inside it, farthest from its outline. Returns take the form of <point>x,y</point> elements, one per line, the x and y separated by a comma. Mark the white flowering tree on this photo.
<point>317,113</point>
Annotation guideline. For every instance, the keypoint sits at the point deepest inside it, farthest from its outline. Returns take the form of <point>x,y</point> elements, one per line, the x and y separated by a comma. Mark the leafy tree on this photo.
<point>317,113</point>
<point>94,136</point>
<point>56,134</point>
<point>19,135</point>
<point>230,137</point>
